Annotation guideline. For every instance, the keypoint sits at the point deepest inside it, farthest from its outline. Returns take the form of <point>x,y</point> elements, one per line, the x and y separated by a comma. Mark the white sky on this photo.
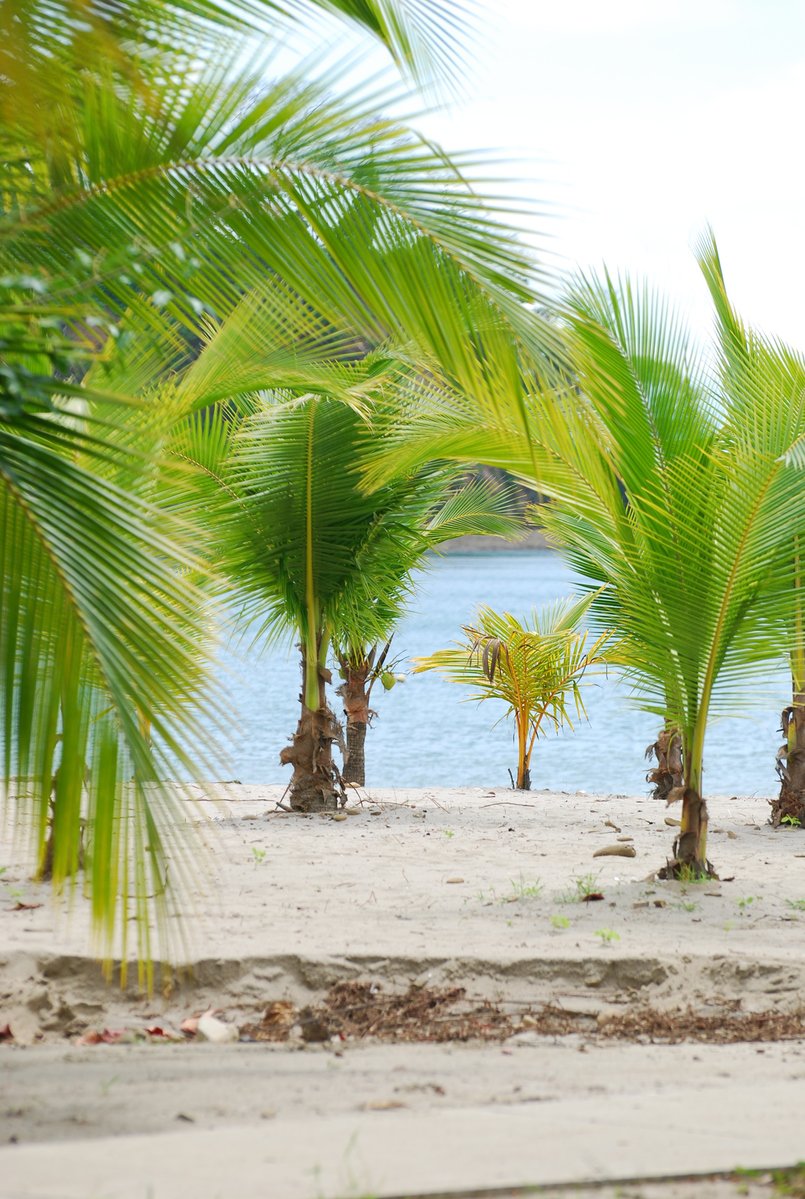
<point>638,121</point>
<point>642,120</point>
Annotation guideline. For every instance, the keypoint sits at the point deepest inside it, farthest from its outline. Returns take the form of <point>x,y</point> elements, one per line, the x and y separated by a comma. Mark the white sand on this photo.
<point>376,897</point>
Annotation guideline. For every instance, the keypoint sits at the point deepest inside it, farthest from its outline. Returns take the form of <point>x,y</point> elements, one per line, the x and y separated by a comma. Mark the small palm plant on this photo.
<point>536,670</point>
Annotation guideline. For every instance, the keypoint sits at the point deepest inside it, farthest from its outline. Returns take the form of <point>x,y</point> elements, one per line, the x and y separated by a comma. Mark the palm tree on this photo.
<point>746,355</point>
<point>434,513</point>
<point>536,669</point>
<point>102,631</point>
<point>667,485</point>
<point>309,551</point>
<point>176,182</point>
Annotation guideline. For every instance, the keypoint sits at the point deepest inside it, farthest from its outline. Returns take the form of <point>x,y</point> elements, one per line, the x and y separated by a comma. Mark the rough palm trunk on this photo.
<point>354,692</point>
<point>359,669</point>
<point>791,766</point>
<point>523,782</point>
<point>667,775</point>
<point>690,846</point>
<point>315,783</point>
<point>355,763</point>
<point>790,803</point>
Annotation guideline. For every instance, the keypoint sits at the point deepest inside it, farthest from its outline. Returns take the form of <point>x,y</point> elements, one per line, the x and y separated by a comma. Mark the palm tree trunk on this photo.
<point>791,765</point>
<point>360,669</point>
<point>690,847</point>
<point>355,763</point>
<point>354,693</point>
<point>791,754</point>
<point>315,783</point>
<point>523,757</point>
<point>667,775</point>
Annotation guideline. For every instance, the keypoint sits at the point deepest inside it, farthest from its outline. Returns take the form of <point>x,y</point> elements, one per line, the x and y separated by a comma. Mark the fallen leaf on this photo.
<point>611,824</point>
<point>673,822</point>
<point>279,1014</point>
<point>162,1034</point>
<point>111,1036</point>
<point>616,851</point>
<point>108,1036</point>
<point>19,906</point>
<point>455,880</point>
<point>6,1034</point>
<point>382,1105</point>
<point>592,897</point>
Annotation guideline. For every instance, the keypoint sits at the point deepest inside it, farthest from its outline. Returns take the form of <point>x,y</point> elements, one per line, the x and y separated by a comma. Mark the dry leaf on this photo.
<point>109,1036</point>
<point>616,851</point>
<point>279,1014</point>
<point>5,1033</point>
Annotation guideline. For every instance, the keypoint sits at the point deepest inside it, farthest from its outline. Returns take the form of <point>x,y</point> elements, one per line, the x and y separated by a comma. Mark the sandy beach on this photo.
<point>482,890</point>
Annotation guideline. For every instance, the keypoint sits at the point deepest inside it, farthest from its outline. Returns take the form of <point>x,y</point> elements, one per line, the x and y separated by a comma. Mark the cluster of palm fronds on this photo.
<point>675,486</point>
<point>248,325</point>
<point>213,266</point>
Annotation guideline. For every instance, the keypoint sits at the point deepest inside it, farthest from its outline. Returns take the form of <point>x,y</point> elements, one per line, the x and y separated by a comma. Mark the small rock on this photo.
<point>616,851</point>
<point>339,816</point>
<point>455,880</point>
<point>213,1029</point>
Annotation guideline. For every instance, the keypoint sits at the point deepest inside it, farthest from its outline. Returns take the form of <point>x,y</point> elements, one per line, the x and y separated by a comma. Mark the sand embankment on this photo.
<point>480,889</point>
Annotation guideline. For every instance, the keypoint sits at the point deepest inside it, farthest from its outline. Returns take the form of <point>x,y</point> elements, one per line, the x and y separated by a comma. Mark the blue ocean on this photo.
<point>426,732</point>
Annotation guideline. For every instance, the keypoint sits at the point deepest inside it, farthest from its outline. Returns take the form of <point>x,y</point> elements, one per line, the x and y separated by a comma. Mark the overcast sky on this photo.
<point>638,121</point>
<point>641,121</point>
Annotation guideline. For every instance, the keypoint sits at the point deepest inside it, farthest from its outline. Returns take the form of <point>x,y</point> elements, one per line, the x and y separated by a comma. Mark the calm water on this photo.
<point>426,734</point>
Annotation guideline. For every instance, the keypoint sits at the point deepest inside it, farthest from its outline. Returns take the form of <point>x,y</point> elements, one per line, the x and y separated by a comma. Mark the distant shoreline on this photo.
<point>533,540</point>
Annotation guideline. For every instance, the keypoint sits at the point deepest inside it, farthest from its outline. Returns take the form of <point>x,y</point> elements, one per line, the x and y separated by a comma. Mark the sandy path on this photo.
<point>300,903</point>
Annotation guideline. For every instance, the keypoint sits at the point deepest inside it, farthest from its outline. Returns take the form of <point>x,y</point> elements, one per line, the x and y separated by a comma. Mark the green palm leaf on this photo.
<point>536,669</point>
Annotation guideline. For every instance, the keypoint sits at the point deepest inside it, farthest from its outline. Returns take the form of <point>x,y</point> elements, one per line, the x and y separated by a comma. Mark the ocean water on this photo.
<point>427,734</point>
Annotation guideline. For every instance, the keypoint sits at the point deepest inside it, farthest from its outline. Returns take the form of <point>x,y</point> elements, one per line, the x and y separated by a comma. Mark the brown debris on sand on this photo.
<point>357,1011</point>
